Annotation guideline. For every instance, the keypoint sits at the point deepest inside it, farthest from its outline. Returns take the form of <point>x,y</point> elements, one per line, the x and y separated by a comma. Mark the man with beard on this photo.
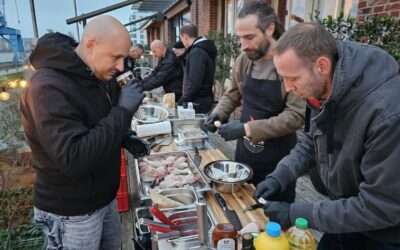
<point>270,116</point>
<point>352,135</point>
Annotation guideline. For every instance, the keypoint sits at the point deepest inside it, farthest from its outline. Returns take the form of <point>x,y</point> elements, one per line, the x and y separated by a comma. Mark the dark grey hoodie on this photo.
<point>355,141</point>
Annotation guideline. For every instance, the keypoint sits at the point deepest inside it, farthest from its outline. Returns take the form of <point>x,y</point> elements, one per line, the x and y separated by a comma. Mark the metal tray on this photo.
<point>197,122</point>
<point>144,187</point>
<point>195,137</point>
<point>186,242</point>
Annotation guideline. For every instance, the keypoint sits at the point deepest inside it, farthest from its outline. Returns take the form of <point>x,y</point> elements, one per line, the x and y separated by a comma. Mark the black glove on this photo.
<point>136,146</point>
<point>278,212</point>
<point>232,130</point>
<point>210,122</point>
<point>268,188</point>
<point>131,97</point>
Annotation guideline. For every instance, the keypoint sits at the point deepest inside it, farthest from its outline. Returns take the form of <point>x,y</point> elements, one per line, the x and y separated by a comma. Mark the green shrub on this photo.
<point>381,31</point>
<point>228,49</point>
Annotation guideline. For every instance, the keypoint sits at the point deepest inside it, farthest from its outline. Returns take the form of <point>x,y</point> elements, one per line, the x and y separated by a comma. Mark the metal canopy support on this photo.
<point>33,13</point>
<point>100,11</point>
<point>157,16</point>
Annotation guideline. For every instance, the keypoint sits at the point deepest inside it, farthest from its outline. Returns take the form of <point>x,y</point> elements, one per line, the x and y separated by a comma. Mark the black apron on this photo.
<point>262,99</point>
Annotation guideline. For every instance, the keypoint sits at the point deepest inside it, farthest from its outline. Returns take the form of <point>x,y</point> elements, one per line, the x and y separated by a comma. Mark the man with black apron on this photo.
<point>270,116</point>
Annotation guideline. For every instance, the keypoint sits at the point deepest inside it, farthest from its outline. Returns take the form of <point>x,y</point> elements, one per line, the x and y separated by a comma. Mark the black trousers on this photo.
<point>353,241</point>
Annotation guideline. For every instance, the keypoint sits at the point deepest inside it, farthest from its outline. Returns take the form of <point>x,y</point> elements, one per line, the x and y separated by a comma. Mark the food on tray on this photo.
<point>169,100</point>
<point>167,171</point>
<point>163,201</point>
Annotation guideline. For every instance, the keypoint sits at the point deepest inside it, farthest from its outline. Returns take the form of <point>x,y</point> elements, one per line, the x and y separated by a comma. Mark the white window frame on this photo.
<point>311,6</point>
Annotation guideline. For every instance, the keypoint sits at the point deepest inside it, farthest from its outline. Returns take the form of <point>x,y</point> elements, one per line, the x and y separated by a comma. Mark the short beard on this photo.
<point>260,52</point>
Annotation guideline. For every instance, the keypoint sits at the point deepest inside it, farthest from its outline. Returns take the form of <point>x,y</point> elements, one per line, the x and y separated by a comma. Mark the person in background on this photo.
<point>135,53</point>
<point>168,72</point>
<point>266,131</point>
<point>352,136</point>
<point>179,49</point>
<point>198,76</point>
<point>75,122</point>
<point>180,52</point>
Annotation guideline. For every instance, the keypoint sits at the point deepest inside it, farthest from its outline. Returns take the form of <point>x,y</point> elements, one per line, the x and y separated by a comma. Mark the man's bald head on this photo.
<point>158,48</point>
<point>104,27</point>
<point>104,45</point>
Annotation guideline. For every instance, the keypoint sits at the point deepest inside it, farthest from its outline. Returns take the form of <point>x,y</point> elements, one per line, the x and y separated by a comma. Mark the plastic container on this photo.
<point>272,239</point>
<point>300,238</point>
<point>122,194</point>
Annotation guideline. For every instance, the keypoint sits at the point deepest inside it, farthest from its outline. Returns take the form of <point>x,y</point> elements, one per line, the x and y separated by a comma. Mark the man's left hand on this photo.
<point>232,130</point>
<point>136,146</point>
<point>279,212</point>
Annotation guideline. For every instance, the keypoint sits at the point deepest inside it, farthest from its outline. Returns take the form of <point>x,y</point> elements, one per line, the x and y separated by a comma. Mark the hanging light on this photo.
<point>23,83</point>
<point>4,95</point>
<point>13,84</point>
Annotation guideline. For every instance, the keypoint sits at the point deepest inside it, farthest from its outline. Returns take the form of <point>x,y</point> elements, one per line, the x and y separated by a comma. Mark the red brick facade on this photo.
<point>378,7</point>
<point>209,15</point>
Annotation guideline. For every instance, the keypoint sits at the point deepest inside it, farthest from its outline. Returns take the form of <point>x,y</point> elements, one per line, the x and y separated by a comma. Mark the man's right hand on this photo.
<point>268,188</point>
<point>131,97</point>
<point>213,117</point>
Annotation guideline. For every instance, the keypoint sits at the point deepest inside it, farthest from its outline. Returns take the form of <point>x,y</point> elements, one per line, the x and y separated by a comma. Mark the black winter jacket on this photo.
<point>168,74</point>
<point>354,140</point>
<point>199,74</point>
<point>73,129</point>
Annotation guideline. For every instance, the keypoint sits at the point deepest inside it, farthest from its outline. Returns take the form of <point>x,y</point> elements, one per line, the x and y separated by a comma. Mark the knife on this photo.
<point>197,157</point>
<point>229,213</point>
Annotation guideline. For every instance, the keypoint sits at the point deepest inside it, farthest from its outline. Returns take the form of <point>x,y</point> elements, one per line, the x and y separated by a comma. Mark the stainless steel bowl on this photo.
<point>227,176</point>
<point>150,113</point>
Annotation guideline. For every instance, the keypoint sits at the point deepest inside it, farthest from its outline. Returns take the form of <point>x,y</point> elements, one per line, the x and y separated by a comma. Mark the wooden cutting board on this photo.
<point>237,201</point>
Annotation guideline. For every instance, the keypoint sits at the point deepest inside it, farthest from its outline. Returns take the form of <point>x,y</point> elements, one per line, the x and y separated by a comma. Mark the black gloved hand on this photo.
<point>131,97</point>
<point>268,188</point>
<point>210,122</point>
<point>232,130</point>
<point>136,146</point>
<point>278,212</point>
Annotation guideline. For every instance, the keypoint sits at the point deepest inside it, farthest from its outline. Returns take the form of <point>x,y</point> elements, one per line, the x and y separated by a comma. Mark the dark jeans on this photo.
<point>353,241</point>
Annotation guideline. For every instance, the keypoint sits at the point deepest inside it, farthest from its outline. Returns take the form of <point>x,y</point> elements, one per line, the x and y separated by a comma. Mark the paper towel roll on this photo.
<point>143,130</point>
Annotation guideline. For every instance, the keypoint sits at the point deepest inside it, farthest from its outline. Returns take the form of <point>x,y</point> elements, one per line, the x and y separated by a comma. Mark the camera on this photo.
<point>125,78</point>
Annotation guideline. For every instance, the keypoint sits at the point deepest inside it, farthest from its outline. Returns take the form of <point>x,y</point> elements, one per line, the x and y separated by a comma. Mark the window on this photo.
<point>177,23</point>
<point>304,10</point>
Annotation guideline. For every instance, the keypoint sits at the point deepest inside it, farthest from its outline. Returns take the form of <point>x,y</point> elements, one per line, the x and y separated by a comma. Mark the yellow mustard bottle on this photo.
<point>300,238</point>
<point>272,239</point>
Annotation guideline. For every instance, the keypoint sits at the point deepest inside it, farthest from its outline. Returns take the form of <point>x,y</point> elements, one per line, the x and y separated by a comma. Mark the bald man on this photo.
<point>168,72</point>
<point>75,122</point>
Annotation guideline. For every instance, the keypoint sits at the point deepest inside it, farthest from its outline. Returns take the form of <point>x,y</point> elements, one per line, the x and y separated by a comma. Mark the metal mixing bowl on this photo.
<point>150,113</point>
<point>227,176</point>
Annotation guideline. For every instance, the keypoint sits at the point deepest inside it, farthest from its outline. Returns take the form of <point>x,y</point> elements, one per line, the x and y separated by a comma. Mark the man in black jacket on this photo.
<point>198,77</point>
<point>168,72</point>
<point>75,122</point>
<point>352,139</point>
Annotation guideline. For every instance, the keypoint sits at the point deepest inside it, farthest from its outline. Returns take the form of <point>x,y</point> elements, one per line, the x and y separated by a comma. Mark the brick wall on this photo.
<point>204,15</point>
<point>378,7</point>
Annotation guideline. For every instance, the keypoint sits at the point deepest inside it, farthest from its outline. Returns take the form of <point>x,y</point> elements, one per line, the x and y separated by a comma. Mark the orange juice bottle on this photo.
<point>300,238</point>
<point>272,239</point>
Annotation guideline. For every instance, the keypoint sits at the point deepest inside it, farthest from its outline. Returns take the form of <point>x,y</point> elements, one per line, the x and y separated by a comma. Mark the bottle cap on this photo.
<point>301,223</point>
<point>273,229</point>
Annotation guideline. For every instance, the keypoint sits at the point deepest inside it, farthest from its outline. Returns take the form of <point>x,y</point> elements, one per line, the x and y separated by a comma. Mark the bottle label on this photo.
<point>226,244</point>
